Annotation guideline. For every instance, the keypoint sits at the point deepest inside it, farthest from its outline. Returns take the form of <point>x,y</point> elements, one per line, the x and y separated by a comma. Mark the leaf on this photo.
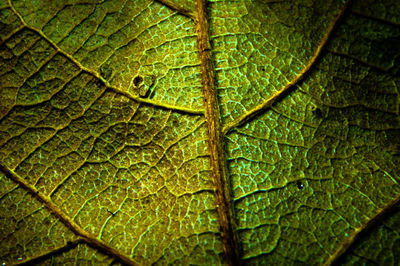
<point>175,132</point>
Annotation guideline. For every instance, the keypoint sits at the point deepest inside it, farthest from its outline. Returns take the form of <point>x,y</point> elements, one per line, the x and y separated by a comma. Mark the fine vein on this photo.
<point>215,141</point>
<point>97,75</point>
<point>179,8</point>
<point>286,89</point>
<point>53,252</point>
<point>66,220</point>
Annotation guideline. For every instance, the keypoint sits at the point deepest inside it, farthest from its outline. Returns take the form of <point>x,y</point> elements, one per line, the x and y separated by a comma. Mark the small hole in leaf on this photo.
<point>137,80</point>
<point>300,185</point>
<point>317,111</point>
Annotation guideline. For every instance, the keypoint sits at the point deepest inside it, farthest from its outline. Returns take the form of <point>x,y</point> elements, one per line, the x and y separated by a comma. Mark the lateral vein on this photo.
<point>97,75</point>
<point>66,220</point>
<point>179,8</point>
<point>289,86</point>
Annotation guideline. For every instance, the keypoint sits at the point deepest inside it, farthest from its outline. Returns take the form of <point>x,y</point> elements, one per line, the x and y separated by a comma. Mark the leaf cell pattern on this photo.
<point>209,132</point>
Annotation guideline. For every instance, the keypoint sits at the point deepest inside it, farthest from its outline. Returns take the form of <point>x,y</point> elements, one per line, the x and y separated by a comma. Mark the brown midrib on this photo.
<point>215,141</point>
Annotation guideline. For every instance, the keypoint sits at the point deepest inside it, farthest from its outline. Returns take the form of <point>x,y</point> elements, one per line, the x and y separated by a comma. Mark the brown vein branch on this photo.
<point>66,220</point>
<point>376,18</point>
<point>7,37</point>
<point>215,141</point>
<point>358,232</point>
<point>289,86</point>
<point>49,254</point>
<point>179,8</point>
<point>359,60</point>
<point>97,74</point>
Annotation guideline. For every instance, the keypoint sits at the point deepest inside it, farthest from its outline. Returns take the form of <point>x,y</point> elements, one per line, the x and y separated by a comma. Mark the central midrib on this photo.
<point>215,141</point>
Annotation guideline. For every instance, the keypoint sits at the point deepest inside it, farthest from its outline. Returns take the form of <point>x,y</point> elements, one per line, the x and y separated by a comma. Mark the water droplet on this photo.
<point>300,185</point>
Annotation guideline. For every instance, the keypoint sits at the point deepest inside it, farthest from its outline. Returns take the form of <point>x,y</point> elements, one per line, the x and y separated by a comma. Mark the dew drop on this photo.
<point>300,185</point>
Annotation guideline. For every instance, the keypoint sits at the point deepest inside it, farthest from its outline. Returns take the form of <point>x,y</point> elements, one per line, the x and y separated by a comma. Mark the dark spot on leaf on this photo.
<point>317,112</point>
<point>137,81</point>
<point>151,94</point>
<point>98,83</point>
<point>175,123</point>
<point>112,213</point>
<point>263,69</point>
<point>46,222</point>
<point>300,185</point>
<point>394,153</point>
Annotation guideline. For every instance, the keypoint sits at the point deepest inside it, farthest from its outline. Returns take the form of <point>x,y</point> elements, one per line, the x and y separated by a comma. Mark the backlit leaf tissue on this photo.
<point>200,132</point>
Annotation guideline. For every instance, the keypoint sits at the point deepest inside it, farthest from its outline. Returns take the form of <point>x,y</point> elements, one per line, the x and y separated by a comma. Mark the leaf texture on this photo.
<point>209,132</point>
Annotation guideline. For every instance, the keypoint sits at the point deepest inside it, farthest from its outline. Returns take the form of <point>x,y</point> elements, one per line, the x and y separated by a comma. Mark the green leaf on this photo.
<point>176,132</point>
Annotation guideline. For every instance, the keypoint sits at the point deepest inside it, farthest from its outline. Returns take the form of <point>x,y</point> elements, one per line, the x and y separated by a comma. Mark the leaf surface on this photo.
<point>175,132</point>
